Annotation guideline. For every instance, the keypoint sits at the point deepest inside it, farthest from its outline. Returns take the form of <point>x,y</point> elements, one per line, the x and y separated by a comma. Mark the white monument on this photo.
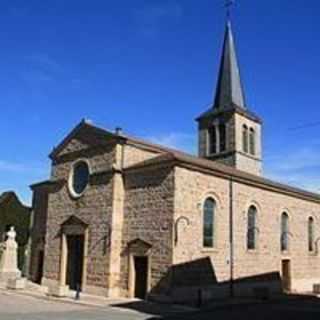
<point>9,271</point>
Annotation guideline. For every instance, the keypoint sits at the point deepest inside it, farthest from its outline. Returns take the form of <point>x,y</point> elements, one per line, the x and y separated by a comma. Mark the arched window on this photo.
<point>252,141</point>
<point>212,140</point>
<point>222,137</point>
<point>311,234</point>
<point>208,223</point>
<point>252,228</point>
<point>284,231</point>
<point>245,138</point>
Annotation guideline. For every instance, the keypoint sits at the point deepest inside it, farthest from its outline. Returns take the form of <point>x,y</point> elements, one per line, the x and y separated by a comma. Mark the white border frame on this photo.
<point>74,194</point>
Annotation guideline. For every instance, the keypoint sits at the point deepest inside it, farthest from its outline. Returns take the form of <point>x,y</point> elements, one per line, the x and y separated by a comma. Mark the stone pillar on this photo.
<point>61,289</point>
<point>85,259</point>
<point>116,226</point>
<point>63,261</point>
<point>27,271</point>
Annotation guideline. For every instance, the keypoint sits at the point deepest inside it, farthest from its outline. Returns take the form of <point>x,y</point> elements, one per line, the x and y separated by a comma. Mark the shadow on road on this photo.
<point>291,307</point>
<point>160,310</point>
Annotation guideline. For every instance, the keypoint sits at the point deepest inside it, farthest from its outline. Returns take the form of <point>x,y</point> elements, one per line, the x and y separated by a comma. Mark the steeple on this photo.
<point>229,90</point>
<point>228,132</point>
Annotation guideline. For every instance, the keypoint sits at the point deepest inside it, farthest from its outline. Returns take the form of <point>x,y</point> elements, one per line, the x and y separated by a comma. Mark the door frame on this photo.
<point>70,230</point>
<point>76,244</point>
<point>138,248</point>
<point>132,274</point>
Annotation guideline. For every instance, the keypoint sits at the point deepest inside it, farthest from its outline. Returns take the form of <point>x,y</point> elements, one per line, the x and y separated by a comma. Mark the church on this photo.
<point>123,217</point>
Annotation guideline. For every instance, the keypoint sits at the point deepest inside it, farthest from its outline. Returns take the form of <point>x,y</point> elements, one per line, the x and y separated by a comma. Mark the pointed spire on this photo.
<point>229,87</point>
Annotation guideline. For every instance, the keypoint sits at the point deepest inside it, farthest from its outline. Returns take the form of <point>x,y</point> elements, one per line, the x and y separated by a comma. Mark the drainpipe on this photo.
<point>27,257</point>
<point>231,242</point>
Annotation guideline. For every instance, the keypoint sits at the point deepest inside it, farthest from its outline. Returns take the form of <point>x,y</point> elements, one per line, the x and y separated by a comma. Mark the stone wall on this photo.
<point>94,208</point>
<point>247,162</point>
<point>101,159</point>
<point>134,154</point>
<point>100,207</point>
<point>38,232</point>
<point>157,211</point>
<point>191,190</point>
<point>305,266</point>
<point>233,155</point>
<point>148,214</point>
<point>252,268</point>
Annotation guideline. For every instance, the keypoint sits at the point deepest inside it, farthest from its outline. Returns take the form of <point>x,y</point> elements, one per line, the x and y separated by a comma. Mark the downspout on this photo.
<point>231,240</point>
<point>26,272</point>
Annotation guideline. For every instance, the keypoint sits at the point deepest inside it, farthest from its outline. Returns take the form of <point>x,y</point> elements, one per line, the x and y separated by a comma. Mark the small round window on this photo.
<point>79,178</point>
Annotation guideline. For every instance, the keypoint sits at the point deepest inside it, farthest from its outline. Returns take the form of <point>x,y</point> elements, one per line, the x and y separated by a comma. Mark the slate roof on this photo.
<point>229,95</point>
<point>232,108</point>
<point>229,87</point>
<point>228,172</point>
<point>169,155</point>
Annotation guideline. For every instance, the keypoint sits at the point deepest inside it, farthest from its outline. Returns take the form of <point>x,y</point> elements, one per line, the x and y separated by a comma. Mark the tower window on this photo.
<point>208,223</point>
<point>212,140</point>
<point>311,234</point>
<point>252,143</point>
<point>245,138</point>
<point>222,137</point>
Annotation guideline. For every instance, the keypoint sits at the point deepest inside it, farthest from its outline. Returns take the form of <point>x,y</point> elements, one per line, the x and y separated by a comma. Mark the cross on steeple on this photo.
<point>228,5</point>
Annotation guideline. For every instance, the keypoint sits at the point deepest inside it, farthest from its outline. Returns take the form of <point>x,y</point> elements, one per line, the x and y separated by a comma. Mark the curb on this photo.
<point>27,293</point>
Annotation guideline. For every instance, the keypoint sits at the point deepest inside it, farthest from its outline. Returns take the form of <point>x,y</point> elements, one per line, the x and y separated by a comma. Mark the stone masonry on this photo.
<point>135,198</point>
<point>139,226</point>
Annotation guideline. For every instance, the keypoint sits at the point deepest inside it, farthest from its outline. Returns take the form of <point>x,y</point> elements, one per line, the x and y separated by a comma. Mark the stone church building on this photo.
<point>122,217</point>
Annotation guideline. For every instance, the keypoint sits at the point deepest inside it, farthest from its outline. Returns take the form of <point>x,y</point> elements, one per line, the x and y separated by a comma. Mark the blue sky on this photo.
<point>150,66</point>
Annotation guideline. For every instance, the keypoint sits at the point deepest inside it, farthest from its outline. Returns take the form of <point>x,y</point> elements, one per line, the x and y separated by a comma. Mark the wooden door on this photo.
<point>75,261</point>
<point>286,275</point>
<point>141,277</point>
<point>40,267</point>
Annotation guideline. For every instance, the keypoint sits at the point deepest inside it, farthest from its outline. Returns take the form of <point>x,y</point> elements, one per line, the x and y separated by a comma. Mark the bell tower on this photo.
<point>228,132</point>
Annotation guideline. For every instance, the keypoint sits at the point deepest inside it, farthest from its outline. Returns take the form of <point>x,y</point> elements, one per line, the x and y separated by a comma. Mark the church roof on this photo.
<point>224,171</point>
<point>233,108</point>
<point>229,95</point>
<point>229,87</point>
<point>169,155</point>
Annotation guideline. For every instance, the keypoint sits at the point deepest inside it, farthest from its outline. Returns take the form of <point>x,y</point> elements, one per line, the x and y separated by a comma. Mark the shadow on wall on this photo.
<point>195,284</point>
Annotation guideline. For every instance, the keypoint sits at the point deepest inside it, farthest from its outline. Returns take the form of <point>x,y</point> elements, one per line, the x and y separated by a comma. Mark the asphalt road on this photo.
<point>17,307</point>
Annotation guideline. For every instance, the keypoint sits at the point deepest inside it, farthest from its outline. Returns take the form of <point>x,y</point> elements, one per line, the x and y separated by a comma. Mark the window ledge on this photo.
<point>285,253</point>
<point>252,251</point>
<point>209,250</point>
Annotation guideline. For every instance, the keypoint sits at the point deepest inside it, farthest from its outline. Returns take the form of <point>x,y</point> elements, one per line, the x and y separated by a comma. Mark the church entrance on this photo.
<point>286,275</point>
<point>75,245</point>
<point>141,277</point>
<point>39,273</point>
<point>140,268</point>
